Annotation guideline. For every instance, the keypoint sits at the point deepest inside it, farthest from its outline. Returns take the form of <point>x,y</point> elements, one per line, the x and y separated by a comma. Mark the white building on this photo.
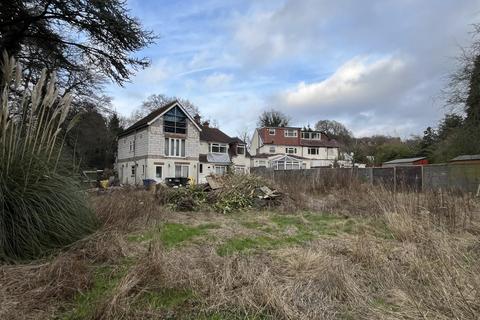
<point>292,148</point>
<point>171,143</point>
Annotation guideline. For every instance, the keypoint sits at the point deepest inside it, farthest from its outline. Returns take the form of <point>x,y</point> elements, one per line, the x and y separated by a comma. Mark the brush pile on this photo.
<point>232,193</point>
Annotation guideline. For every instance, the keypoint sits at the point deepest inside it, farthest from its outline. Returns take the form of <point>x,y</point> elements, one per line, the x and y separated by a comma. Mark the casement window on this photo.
<point>291,133</point>
<point>218,148</point>
<point>133,171</point>
<point>240,169</point>
<point>158,171</point>
<point>181,171</point>
<point>175,121</point>
<point>271,132</point>
<point>132,146</point>
<point>220,170</point>
<point>272,149</point>
<point>311,135</point>
<point>174,147</point>
<point>240,149</point>
<point>313,151</point>
<point>290,150</point>
<point>286,165</point>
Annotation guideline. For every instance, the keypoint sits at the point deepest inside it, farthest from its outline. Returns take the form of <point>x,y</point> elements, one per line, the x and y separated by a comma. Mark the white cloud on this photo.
<point>359,81</point>
<point>217,80</point>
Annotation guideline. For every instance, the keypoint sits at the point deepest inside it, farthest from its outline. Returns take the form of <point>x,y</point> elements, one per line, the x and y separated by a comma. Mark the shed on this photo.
<point>418,161</point>
<point>466,159</point>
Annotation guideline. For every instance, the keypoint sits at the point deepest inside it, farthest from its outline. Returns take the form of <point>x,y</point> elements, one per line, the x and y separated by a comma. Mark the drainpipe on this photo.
<point>134,156</point>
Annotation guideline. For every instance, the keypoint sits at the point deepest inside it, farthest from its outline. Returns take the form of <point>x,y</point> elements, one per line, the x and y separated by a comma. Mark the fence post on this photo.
<point>394,179</point>
<point>421,177</point>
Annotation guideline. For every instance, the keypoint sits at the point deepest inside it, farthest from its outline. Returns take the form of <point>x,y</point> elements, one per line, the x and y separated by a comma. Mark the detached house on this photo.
<point>169,143</point>
<point>292,148</point>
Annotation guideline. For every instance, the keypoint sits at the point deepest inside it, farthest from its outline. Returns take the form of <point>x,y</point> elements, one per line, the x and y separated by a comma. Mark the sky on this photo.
<point>377,66</point>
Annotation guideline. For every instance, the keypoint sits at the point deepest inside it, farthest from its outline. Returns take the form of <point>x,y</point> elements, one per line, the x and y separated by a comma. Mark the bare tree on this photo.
<point>273,118</point>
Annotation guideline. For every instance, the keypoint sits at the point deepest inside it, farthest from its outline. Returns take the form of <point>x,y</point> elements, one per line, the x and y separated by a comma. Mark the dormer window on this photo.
<point>175,121</point>
<point>218,148</point>
<point>311,135</point>
<point>291,133</point>
<point>271,132</point>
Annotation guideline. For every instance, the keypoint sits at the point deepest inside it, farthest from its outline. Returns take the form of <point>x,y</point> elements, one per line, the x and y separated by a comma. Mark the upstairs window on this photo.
<point>292,133</point>
<point>291,150</point>
<point>313,151</point>
<point>240,149</point>
<point>175,121</point>
<point>174,147</point>
<point>271,132</point>
<point>311,135</point>
<point>218,148</point>
<point>272,149</point>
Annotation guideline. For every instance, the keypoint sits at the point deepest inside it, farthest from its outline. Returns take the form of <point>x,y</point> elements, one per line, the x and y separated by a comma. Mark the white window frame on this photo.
<point>241,148</point>
<point>288,150</point>
<point>311,135</point>
<point>271,149</point>
<point>175,147</point>
<point>219,147</point>
<point>315,149</point>
<point>271,132</point>
<point>288,132</point>
<point>286,165</point>
<point>183,168</point>
<point>222,170</point>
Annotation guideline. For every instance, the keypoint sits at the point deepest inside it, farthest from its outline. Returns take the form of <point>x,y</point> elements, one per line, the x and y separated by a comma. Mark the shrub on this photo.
<point>42,206</point>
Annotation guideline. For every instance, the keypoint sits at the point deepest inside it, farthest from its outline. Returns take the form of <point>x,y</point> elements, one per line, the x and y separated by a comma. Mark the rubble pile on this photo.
<point>223,194</point>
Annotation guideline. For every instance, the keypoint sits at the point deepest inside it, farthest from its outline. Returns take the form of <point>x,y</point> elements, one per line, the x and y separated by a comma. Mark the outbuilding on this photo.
<point>466,159</point>
<point>418,161</point>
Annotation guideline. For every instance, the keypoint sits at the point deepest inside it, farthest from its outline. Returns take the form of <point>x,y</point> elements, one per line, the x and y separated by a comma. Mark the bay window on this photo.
<point>220,170</point>
<point>218,148</point>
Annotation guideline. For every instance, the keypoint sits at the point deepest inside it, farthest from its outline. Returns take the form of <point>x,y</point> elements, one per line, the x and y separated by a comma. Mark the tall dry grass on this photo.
<point>42,207</point>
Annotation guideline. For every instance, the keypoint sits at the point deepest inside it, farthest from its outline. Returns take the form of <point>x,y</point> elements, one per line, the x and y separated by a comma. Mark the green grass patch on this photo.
<point>172,234</point>
<point>288,230</point>
<point>167,298</point>
<point>105,280</point>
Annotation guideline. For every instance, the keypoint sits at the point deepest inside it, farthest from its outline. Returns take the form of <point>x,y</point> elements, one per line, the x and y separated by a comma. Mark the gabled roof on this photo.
<point>154,115</point>
<point>210,134</point>
<point>467,157</point>
<point>405,160</point>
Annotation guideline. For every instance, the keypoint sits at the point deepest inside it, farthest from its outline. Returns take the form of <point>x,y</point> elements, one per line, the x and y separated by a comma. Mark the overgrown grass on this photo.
<point>41,207</point>
<point>287,230</point>
<point>396,263</point>
<point>172,234</point>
